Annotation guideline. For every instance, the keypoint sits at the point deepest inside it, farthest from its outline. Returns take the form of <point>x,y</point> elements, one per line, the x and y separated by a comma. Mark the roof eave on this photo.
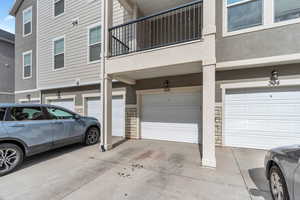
<point>14,9</point>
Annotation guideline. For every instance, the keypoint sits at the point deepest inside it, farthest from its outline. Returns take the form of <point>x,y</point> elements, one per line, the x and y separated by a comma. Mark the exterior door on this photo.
<point>118,113</point>
<point>66,129</point>
<point>172,117</point>
<point>30,125</point>
<point>262,118</point>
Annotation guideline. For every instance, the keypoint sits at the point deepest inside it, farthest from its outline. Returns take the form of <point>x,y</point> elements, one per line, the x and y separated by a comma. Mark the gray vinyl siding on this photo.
<point>120,14</point>
<point>76,49</point>
<point>5,98</point>
<point>264,43</point>
<point>24,44</point>
<point>76,40</point>
<point>7,52</point>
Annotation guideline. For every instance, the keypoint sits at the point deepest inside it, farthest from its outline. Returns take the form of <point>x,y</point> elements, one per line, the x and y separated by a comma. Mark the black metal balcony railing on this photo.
<point>177,25</point>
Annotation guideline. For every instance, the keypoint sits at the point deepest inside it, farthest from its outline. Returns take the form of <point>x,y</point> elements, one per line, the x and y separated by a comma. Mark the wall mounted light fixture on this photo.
<point>28,96</point>
<point>167,86</point>
<point>274,79</point>
<point>59,94</point>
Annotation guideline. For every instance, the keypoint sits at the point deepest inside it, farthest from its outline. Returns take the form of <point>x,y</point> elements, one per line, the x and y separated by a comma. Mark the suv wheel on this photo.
<point>92,136</point>
<point>277,184</point>
<point>11,157</point>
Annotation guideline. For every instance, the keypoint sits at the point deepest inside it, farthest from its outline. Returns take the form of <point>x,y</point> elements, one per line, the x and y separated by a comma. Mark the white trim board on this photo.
<point>257,84</point>
<point>260,62</point>
<point>26,91</point>
<point>7,93</point>
<point>31,99</point>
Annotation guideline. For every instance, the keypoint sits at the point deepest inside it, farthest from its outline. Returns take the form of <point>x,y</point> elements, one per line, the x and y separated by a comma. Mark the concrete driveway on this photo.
<point>138,170</point>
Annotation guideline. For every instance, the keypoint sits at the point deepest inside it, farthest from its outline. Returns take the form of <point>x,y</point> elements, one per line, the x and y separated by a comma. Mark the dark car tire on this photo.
<point>11,157</point>
<point>92,136</point>
<point>277,184</point>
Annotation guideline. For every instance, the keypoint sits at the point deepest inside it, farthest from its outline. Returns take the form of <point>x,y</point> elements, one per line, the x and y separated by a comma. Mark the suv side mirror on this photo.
<point>77,117</point>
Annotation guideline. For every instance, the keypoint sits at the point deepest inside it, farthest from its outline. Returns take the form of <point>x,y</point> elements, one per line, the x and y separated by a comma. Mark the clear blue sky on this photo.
<point>7,22</point>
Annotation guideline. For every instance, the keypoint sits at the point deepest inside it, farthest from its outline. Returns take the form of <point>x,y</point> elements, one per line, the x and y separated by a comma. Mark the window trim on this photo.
<point>55,1</point>
<point>53,53</point>
<point>268,21</point>
<point>23,64</point>
<point>23,21</point>
<point>88,43</point>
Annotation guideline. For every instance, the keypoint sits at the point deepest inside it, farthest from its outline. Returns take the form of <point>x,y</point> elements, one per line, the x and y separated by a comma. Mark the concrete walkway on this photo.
<point>138,170</point>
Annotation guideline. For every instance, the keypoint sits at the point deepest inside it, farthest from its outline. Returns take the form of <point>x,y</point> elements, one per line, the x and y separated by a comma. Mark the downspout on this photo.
<point>102,71</point>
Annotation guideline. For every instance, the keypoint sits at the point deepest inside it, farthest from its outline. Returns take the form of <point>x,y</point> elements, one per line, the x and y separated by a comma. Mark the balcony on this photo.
<point>173,26</point>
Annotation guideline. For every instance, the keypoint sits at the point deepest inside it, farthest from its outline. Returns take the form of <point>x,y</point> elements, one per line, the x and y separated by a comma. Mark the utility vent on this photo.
<point>75,22</point>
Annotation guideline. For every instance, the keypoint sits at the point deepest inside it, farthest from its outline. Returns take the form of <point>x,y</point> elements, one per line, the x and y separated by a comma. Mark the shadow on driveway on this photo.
<point>258,177</point>
<point>42,157</point>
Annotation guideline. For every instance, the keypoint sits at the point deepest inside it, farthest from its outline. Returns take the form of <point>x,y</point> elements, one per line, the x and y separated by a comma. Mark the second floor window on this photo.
<point>59,7</point>
<point>94,43</point>
<point>27,65</point>
<point>59,53</point>
<point>286,10</point>
<point>27,21</point>
<point>244,14</point>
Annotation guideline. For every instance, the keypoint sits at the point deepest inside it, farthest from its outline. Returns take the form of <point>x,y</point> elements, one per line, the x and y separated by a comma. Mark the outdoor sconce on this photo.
<point>59,94</point>
<point>274,79</point>
<point>167,86</point>
<point>28,96</point>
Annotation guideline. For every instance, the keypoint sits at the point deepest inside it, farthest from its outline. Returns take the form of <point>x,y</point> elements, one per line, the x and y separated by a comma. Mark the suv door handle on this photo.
<point>16,126</point>
<point>58,123</point>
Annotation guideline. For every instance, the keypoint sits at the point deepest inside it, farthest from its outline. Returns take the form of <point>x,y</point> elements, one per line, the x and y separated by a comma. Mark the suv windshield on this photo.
<point>2,113</point>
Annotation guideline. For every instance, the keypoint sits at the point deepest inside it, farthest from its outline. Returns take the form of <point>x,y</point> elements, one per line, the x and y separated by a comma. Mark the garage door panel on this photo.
<point>118,113</point>
<point>172,117</point>
<point>65,103</point>
<point>263,119</point>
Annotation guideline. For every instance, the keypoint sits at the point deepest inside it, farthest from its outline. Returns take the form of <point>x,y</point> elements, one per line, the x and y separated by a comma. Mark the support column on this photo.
<point>106,81</point>
<point>208,132</point>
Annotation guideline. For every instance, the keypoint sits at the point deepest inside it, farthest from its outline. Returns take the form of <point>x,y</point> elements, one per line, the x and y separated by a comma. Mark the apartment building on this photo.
<point>211,72</point>
<point>7,66</point>
<point>61,42</point>
<point>214,72</point>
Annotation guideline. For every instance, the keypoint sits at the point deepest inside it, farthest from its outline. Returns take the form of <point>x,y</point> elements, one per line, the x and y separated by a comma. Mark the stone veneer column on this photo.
<point>131,122</point>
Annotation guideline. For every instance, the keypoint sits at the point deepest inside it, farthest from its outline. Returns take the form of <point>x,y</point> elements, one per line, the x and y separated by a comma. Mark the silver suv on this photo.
<point>26,130</point>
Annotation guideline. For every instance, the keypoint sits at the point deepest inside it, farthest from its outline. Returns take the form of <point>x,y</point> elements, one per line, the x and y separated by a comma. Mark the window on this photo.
<point>27,65</point>
<point>286,10</point>
<point>26,114</point>
<point>244,14</point>
<point>59,7</point>
<point>59,53</point>
<point>2,113</point>
<point>56,113</point>
<point>94,43</point>
<point>27,21</point>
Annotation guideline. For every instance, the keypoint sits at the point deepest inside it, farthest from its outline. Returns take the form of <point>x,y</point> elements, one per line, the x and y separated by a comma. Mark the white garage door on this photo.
<point>65,103</point>
<point>172,117</point>
<point>118,113</point>
<point>262,118</point>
